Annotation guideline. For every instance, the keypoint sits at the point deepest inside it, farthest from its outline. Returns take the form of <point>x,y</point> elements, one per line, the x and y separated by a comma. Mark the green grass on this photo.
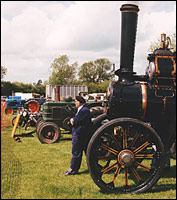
<point>31,170</point>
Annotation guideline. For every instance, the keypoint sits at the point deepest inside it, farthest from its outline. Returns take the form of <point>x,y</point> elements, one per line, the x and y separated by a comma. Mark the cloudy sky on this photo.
<point>34,33</point>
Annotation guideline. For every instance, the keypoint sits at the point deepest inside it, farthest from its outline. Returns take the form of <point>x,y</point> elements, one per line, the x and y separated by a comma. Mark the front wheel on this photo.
<point>21,122</point>
<point>48,133</point>
<point>9,111</point>
<point>120,154</point>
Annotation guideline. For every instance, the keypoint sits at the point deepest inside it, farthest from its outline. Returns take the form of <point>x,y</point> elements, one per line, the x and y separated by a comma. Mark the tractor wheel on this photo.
<point>20,123</point>
<point>66,124</point>
<point>9,111</point>
<point>39,123</point>
<point>33,105</point>
<point>48,132</point>
<point>120,154</point>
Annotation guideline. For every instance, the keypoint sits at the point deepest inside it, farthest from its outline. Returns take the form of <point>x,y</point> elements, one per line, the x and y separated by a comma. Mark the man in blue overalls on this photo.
<point>81,123</point>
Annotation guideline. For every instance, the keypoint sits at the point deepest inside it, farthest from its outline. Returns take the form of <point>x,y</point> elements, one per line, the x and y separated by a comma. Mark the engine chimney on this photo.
<point>128,37</point>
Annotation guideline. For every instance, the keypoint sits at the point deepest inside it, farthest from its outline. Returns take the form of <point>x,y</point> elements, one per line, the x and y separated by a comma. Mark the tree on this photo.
<point>62,72</point>
<point>3,72</point>
<point>103,67</point>
<point>156,44</point>
<point>39,89</point>
<point>173,42</point>
<point>7,88</point>
<point>87,73</point>
<point>96,88</point>
<point>104,85</point>
<point>93,88</point>
<point>95,71</point>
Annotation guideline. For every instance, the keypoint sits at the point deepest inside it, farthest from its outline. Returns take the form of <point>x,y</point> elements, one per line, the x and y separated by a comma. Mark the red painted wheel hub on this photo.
<point>33,107</point>
<point>9,111</point>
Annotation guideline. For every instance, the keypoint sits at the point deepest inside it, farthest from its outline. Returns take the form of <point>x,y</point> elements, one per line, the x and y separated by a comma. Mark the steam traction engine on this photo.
<point>127,152</point>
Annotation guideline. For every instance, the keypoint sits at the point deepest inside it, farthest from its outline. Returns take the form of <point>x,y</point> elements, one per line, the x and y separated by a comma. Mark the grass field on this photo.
<point>31,170</point>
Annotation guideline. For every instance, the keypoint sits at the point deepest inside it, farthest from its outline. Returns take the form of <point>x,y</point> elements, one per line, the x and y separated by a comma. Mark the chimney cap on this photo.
<point>129,8</point>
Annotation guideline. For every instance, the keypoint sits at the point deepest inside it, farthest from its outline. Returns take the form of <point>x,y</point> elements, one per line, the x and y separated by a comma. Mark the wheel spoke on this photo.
<point>106,157</point>
<point>125,140</point>
<point>142,166</point>
<point>137,176</point>
<point>143,146</point>
<point>116,173</point>
<point>109,149</point>
<point>126,175</point>
<point>109,168</point>
<point>144,156</point>
<point>115,141</point>
<point>134,139</point>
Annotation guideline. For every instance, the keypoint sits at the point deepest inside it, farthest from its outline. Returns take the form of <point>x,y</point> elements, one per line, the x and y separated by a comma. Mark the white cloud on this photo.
<point>33,33</point>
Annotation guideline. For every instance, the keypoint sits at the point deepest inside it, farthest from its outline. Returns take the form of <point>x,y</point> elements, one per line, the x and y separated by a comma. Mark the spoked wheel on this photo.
<point>33,106</point>
<point>120,154</point>
<point>48,132</point>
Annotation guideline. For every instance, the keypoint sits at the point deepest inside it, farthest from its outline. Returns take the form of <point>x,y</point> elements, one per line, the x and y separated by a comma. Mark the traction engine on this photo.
<point>131,142</point>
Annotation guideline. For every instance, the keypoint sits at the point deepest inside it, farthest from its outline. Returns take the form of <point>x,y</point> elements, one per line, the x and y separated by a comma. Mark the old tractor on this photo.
<point>14,103</point>
<point>56,118</point>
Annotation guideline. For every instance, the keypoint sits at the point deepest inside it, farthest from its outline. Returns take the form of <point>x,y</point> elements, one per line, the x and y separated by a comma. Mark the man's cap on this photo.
<point>80,99</point>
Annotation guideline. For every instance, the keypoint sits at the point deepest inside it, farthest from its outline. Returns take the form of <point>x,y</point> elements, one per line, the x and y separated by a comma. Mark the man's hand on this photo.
<point>72,121</point>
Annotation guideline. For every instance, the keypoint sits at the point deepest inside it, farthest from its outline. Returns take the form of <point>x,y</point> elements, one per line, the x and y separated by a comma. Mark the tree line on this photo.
<point>8,87</point>
<point>95,74</point>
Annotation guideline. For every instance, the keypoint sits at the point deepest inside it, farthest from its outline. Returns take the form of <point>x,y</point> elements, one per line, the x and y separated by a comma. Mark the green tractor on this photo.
<point>56,118</point>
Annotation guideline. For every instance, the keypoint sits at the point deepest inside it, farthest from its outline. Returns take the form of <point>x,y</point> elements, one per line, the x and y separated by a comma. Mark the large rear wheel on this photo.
<point>120,154</point>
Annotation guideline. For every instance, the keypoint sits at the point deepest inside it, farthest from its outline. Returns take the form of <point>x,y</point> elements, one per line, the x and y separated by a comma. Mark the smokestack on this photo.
<point>128,37</point>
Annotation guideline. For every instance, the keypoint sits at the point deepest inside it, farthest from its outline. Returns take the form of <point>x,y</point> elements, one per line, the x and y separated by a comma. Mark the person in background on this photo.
<point>81,124</point>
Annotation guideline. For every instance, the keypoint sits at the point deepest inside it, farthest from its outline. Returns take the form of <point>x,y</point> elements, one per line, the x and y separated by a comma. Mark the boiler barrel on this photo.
<point>142,102</point>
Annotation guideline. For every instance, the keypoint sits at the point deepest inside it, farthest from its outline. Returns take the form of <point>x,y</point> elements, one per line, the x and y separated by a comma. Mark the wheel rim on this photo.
<point>120,154</point>
<point>48,133</point>
<point>9,111</point>
<point>33,107</point>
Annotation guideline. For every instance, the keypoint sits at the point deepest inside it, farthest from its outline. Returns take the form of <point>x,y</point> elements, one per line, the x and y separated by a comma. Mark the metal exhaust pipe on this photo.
<point>128,37</point>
